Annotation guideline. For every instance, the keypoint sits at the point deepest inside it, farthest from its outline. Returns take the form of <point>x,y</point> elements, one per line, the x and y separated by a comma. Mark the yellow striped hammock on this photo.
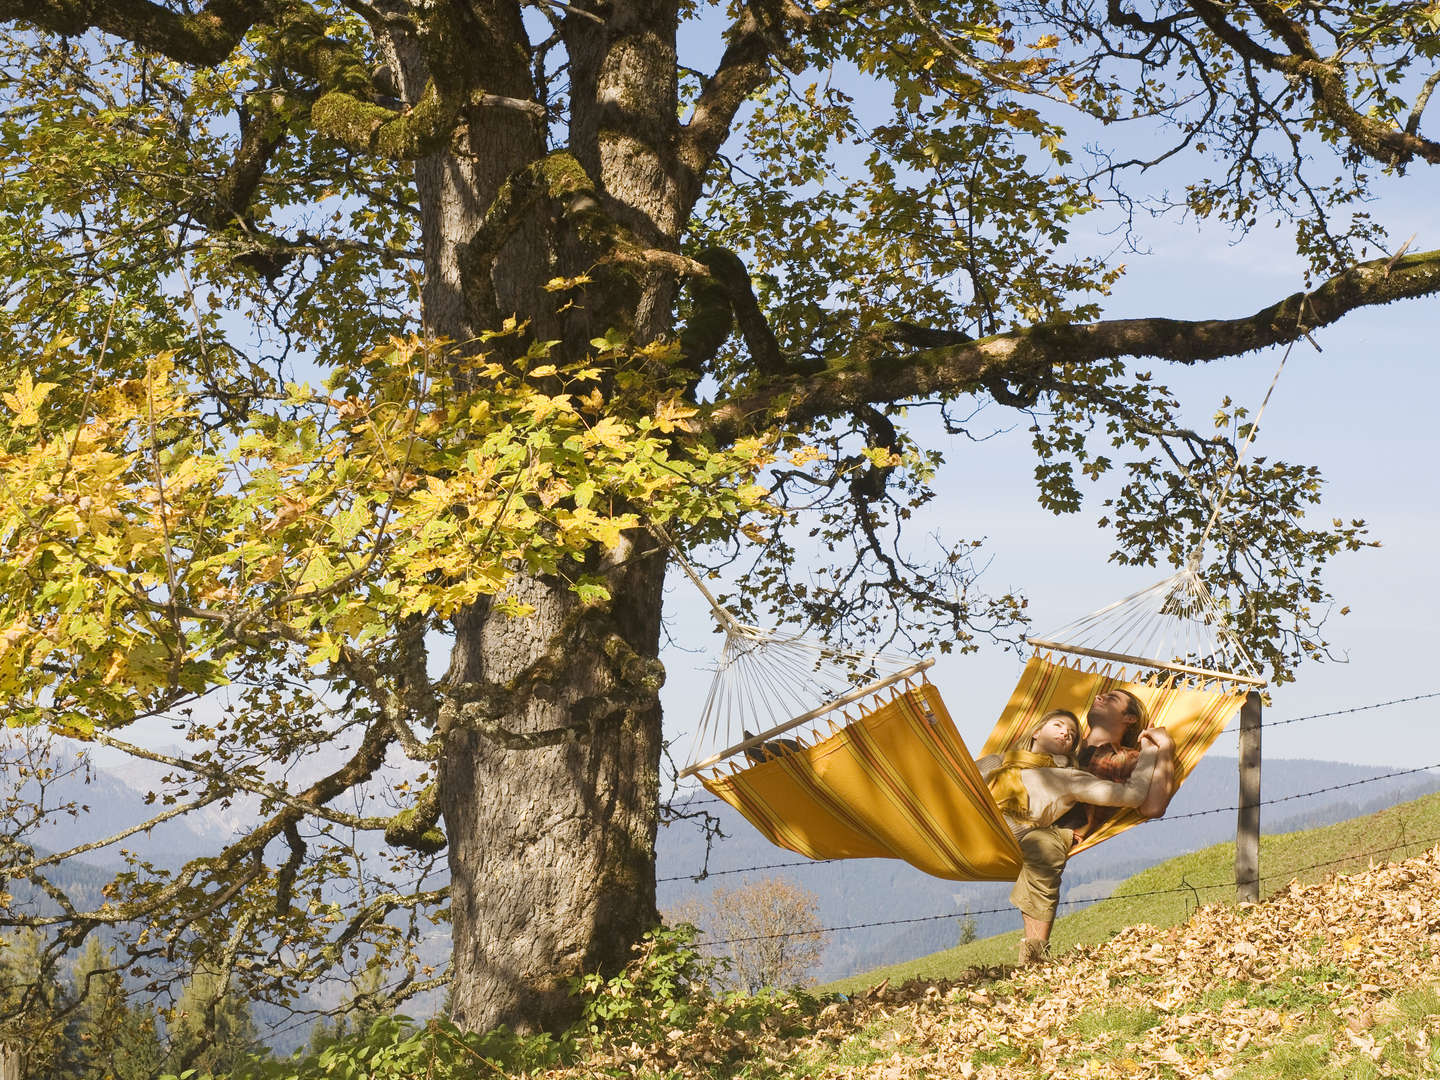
<point>855,754</point>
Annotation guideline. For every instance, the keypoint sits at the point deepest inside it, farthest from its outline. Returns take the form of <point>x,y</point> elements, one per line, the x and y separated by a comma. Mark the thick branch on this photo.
<point>388,133</point>
<point>878,374</point>
<point>203,38</point>
<point>743,69</point>
<point>722,297</point>
<point>757,39</point>
<point>416,827</point>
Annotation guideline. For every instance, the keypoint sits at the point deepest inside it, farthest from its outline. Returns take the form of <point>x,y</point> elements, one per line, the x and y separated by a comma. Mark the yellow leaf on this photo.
<point>670,414</point>
<point>610,432</point>
<point>116,666</point>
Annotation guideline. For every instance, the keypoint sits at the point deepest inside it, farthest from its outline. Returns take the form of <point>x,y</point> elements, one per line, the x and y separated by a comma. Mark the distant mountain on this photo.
<point>105,802</point>
<point>881,890</point>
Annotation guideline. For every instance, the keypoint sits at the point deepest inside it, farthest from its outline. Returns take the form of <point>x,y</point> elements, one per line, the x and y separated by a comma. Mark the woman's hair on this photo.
<point>1074,727</point>
<point>1136,709</point>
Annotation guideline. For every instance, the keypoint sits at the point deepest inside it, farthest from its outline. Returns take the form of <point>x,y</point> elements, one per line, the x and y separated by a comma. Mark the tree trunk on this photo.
<point>552,849</point>
<point>12,1063</point>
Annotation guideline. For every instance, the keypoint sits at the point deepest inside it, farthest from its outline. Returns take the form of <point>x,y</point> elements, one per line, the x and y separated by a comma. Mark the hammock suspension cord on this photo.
<point>1176,625</point>
<point>778,681</point>
<point>1198,553</point>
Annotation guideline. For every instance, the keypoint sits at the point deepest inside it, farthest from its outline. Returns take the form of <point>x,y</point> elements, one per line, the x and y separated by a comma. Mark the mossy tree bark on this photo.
<point>551,846</point>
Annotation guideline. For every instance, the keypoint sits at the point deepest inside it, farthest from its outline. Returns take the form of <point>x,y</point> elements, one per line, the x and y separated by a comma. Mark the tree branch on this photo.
<point>1376,138</point>
<point>877,374</point>
<point>755,39</point>
<point>311,801</point>
<point>261,134</point>
<point>203,38</point>
<point>399,135</point>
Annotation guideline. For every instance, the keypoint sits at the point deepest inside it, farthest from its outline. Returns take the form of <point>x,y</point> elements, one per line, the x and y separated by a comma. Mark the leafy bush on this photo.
<point>666,986</point>
<point>397,1048</point>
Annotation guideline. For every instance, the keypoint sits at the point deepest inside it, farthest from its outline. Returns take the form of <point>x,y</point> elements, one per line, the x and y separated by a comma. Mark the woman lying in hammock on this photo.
<point>1034,788</point>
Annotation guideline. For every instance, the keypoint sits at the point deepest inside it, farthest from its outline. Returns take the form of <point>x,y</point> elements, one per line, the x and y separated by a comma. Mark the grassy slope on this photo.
<point>1169,893</point>
<point>1335,976</point>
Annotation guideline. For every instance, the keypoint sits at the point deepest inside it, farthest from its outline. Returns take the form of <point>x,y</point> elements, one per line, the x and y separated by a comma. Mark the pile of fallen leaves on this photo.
<point>1339,978</point>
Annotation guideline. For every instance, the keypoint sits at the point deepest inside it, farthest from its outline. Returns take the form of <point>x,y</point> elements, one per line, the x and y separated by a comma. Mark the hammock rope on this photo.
<point>1176,625</point>
<point>778,681</point>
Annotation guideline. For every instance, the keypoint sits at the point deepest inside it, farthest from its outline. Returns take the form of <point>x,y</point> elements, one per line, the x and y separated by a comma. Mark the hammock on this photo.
<point>880,771</point>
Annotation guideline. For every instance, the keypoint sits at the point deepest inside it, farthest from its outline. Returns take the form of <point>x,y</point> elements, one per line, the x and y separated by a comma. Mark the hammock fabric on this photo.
<point>898,782</point>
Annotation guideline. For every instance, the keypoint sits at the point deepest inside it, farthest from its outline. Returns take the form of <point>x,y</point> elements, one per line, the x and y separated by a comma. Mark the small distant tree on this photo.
<point>968,930</point>
<point>31,1001</point>
<point>211,1029</point>
<point>357,1012</point>
<point>108,1038</point>
<point>768,930</point>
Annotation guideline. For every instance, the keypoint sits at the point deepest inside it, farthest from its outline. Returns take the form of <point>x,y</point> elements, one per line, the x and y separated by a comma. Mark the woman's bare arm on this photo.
<point>1131,792</point>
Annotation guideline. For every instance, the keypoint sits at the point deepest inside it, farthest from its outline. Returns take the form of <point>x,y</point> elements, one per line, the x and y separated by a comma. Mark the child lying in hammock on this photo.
<point>1034,787</point>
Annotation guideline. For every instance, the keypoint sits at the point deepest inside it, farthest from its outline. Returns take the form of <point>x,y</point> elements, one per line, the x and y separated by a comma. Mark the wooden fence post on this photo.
<point>1247,822</point>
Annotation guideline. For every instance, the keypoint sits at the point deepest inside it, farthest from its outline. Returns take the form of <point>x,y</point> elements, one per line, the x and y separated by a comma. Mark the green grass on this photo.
<point>1202,877</point>
<point>1309,1052</point>
<point>1118,1023</point>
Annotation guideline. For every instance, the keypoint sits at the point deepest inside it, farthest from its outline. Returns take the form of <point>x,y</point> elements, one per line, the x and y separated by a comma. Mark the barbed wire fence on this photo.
<point>1183,887</point>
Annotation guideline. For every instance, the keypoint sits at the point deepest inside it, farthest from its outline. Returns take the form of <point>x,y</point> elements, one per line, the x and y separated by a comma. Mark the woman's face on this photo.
<point>1054,736</point>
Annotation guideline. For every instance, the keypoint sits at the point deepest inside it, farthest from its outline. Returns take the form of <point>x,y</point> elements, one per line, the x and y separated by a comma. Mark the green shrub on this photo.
<point>397,1048</point>
<point>667,985</point>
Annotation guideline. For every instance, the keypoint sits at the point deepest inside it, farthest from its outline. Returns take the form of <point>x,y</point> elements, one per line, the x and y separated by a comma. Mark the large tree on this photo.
<point>344,334</point>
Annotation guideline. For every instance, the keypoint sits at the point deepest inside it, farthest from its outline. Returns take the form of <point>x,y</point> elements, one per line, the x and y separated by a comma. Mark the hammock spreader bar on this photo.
<point>1143,662</point>
<point>840,702</point>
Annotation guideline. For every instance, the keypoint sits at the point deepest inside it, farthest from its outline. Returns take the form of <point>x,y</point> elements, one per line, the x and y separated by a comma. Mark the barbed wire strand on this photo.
<point>1063,903</point>
<point>746,869</point>
<point>1345,712</point>
<point>1168,817</point>
<point>1301,794</point>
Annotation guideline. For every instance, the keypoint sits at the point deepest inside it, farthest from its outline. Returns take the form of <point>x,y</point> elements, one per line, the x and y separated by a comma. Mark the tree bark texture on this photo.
<point>552,849</point>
